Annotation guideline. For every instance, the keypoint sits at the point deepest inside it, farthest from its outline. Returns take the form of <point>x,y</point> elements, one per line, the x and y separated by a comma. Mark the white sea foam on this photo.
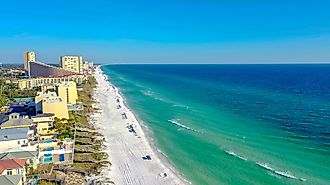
<point>151,94</point>
<point>236,155</point>
<point>177,123</point>
<point>147,92</point>
<point>265,166</point>
<point>286,174</point>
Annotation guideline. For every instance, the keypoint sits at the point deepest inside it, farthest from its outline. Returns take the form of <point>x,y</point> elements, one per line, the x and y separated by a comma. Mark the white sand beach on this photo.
<point>127,148</point>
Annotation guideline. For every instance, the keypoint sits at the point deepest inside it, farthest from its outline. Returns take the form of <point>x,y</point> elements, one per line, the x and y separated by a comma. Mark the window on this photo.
<point>9,172</point>
<point>17,171</point>
<point>18,142</point>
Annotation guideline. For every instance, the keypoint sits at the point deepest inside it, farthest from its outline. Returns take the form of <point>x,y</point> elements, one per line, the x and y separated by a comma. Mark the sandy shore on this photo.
<point>127,149</point>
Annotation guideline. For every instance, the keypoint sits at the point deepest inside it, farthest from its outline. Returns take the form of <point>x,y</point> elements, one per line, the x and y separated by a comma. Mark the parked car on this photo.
<point>147,157</point>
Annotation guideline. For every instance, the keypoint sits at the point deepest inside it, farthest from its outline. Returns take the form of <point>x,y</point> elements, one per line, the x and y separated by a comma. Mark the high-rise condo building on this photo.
<point>39,69</point>
<point>73,63</point>
<point>29,56</point>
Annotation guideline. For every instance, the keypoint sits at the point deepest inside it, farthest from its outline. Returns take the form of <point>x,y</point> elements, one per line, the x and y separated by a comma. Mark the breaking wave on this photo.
<point>268,167</point>
<point>278,172</point>
<point>177,123</point>
<point>236,155</point>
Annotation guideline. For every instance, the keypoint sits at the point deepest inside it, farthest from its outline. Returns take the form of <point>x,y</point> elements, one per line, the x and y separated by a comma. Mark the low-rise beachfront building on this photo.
<point>14,120</point>
<point>44,125</point>
<point>44,122</point>
<point>37,82</point>
<point>49,102</point>
<point>56,151</point>
<point>15,139</point>
<point>31,157</point>
<point>46,135</point>
<point>13,167</point>
<point>23,108</point>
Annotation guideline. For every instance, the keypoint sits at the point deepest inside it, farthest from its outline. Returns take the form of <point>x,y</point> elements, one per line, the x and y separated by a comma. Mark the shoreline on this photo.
<point>131,168</point>
<point>150,138</point>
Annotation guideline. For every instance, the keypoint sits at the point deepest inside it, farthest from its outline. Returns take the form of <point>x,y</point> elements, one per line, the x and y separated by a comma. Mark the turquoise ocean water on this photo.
<point>235,124</point>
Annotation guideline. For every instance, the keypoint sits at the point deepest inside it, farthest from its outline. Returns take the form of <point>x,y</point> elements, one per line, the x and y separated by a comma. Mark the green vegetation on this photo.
<point>90,162</point>
<point>86,94</point>
<point>90,157</point>
<point>3,100</point>
<point>79,118</point>
<point>89,166</point>
<point>90,82</point>
<point>91,147</point>
<point>8,91</point>
<point>65,127</point>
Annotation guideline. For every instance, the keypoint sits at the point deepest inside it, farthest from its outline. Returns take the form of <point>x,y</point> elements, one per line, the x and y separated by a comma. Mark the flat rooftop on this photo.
<point>16,122</point>
<point>13,134</point>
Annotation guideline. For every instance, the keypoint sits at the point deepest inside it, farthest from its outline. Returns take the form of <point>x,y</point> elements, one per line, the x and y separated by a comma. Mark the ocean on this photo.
<point>235,124</point>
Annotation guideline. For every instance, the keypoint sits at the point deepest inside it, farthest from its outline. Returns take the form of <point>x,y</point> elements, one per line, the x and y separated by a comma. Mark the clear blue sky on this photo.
<point>167,31</point>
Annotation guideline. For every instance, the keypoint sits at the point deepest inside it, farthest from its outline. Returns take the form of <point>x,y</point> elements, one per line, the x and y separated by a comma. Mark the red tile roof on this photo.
<point>11,164</point>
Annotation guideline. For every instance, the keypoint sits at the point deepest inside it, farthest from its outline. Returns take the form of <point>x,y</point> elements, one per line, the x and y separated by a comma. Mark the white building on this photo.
<point>15,139</point>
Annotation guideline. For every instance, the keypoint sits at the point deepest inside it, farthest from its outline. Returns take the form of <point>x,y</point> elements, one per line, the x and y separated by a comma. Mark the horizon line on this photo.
<point>129,63</point>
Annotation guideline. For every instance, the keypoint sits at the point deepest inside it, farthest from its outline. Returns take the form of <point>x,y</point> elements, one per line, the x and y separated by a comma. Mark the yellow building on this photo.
<point>49,102</point>
<point>47,87</point>
<point>29,56</point>
<point>44,125</point>
<point>36,82</point>
<point>65,90</point>
<point>55,105</point>
<point>43,122</point>
<point>68,92</point>
<point>73,64</point>
<point>40,96</point>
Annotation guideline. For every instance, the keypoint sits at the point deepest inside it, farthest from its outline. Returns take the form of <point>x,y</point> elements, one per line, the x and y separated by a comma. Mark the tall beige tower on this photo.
<point>29,56</point>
